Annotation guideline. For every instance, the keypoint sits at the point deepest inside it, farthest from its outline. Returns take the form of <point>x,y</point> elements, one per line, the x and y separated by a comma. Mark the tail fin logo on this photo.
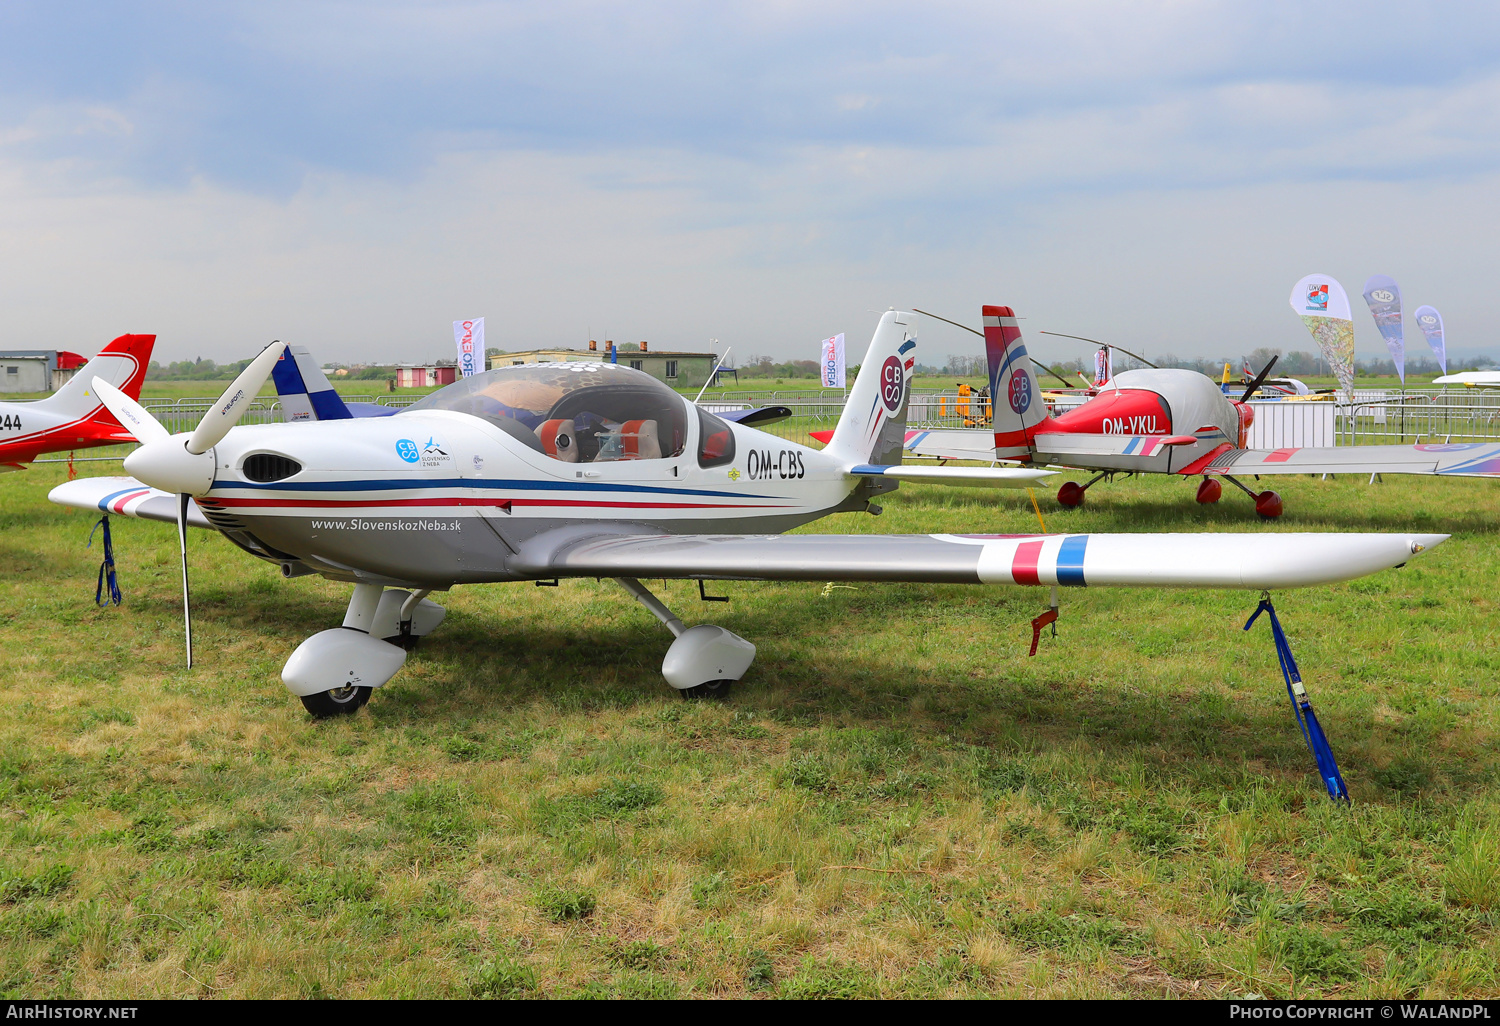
<point>892,383</point>
<point>1018,393</point>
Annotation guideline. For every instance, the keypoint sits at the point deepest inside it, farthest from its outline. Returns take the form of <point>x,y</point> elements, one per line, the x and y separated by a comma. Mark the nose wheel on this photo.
<point>1071,493</point>
<point>1267,503</point>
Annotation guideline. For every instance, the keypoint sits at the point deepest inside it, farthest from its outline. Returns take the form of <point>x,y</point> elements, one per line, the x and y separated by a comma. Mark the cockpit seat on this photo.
<point>559,440</point>
<point>632,440</point>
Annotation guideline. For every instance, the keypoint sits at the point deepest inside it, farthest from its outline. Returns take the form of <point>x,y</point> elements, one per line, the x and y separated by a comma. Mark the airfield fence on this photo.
<point>1377,416</point>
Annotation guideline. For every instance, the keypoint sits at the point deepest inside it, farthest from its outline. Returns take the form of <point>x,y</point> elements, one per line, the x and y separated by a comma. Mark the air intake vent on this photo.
<point>265,467</point>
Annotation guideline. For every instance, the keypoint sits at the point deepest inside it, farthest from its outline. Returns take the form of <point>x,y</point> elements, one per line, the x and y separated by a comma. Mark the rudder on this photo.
<point>123,363</point>
<point>1015,396</point>
<point>303,388</point>
<point>872,427</point>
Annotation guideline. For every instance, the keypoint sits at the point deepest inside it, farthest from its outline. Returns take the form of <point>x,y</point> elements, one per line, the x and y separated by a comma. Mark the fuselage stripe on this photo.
<point>458,501</point>
<point>421,484</point>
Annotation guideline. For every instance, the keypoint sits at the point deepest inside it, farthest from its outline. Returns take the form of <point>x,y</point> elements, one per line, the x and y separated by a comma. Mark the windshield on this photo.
<point>574,412</point>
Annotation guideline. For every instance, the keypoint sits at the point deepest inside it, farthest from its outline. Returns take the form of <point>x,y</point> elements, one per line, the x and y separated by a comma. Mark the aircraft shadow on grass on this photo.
<point>478,667</point>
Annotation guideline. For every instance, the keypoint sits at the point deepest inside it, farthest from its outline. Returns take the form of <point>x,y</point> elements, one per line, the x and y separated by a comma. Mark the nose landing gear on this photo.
<point>1267,503</point>
<point>1071,493</point>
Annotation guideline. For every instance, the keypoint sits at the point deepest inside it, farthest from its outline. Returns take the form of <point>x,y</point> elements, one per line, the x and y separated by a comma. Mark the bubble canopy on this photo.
<point>575,412</point>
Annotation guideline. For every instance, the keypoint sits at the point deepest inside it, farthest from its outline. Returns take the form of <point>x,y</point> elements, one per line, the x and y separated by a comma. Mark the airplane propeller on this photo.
<point>184,463</point>
<point>1258,379</point>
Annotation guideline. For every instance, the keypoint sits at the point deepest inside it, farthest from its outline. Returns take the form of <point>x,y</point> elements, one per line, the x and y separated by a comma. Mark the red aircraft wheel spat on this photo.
<point>1268,505</point>
<point>1070,494</point>
<point>1209,491</point>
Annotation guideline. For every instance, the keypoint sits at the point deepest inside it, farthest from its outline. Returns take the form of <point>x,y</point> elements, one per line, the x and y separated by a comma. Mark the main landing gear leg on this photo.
<point>1071,493</point>
<point>334,671</point>
<point>1267,503</point>
<point>705,660</point>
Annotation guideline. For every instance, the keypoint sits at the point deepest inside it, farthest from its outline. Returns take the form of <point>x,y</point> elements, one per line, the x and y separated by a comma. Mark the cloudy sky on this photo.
<point>354,176</point>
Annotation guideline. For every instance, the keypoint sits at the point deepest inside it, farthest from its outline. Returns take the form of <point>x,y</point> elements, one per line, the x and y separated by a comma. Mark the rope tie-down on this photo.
<point>1312,730</point>
<point>106,568</point>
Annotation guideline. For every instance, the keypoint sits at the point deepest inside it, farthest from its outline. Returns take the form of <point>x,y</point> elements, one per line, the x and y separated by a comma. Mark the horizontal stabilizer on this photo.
<point>952,444</point>
<point>995,477</point>
<point>1458,459</point>
<point>127,497</point>
<point>1252,561</point>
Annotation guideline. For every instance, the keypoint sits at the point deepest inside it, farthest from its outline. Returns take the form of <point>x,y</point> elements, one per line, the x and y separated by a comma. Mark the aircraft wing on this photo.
<point>127,497</point>
<point>759,417</point>
<point>1458,459</point>
<point>1253,561</point>
<point>1490,378</point>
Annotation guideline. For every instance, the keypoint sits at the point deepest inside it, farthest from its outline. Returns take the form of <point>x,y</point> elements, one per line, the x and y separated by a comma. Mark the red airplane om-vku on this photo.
<point>1161,421</point>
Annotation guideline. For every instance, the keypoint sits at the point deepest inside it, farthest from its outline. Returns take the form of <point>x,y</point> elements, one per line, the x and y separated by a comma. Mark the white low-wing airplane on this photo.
<point>543,471</point>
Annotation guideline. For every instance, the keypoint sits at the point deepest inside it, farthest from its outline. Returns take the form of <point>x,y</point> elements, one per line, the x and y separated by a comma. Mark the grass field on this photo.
<point>895,802</point>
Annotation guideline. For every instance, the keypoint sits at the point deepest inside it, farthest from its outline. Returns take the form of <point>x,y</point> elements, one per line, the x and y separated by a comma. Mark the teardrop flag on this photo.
<point>1431,323</point>
<point>1384,297</point>
<point>1323,305</point>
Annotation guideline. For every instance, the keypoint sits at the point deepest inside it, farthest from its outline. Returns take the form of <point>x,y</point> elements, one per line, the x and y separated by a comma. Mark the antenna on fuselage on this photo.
<point>713,375</point>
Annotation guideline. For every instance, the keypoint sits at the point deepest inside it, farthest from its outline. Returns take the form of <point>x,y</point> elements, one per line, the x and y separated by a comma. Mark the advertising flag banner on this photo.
<point>832,361</point>
<point>1323,305</point>
<point>1431,323</point>
<point>1384,297</point>
<point>469,335</point>
<point>1103,367</point>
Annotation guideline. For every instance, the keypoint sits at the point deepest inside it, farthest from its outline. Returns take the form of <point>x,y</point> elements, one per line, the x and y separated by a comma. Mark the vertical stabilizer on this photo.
<point>304,390</point>
<point>1015,395</point>
<point>873,425</point>
<point>122,363</point>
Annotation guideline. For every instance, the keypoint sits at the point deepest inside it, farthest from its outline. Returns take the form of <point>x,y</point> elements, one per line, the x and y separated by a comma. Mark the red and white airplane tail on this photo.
<point>1015,395</point>
<point>122,363</point>
<point>73,417</point>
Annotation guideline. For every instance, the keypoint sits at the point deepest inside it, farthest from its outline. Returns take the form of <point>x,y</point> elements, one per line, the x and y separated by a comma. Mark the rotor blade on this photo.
<point>226,413</point>
<point>133,417</point>
<point>1049,370</point>
<point>1259,378</point>
<point>187,612</point>
<point>1034,360</point>
<point>1111,345</point>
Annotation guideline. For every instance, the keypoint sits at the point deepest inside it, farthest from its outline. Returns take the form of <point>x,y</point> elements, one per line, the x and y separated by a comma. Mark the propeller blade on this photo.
<point>187,612</point>
<point>1259,378</point>
<point>133,417</point>
<point>226,413</point>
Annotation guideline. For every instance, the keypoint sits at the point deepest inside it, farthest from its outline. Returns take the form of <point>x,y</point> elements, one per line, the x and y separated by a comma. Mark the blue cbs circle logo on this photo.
<point>407,450</point>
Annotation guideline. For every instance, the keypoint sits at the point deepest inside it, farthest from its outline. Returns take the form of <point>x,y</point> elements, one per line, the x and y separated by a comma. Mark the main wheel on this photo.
<point>1071,494</point>
<point>717,689</point>
<point>1210,491</point>
<point>337,701</point>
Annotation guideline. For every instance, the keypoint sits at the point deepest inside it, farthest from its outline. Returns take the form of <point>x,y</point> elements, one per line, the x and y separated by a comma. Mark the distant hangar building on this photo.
<point>678,370</point>
<point>37,370</point>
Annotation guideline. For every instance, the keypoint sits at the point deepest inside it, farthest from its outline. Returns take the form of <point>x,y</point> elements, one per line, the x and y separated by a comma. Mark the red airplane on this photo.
<point>73,417</point>
<point>1161,421</point>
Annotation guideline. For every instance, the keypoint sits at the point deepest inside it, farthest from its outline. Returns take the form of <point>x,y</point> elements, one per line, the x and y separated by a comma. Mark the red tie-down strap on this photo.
<point>1050,616</point>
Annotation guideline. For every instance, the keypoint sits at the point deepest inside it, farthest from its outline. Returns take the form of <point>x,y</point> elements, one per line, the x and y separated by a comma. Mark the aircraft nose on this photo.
<point>167,464</point>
